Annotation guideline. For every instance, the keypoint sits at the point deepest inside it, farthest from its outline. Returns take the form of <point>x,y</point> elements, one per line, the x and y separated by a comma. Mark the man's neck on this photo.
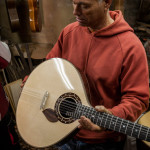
<point>108,21</point>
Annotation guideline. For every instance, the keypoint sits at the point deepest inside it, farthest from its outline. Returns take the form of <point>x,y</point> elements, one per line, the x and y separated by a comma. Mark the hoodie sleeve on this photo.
<point>134,81</point>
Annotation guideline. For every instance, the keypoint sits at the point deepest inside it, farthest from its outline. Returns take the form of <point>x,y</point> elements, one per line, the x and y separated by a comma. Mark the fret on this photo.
<point>105,120</point>
<point>143,132</point>
<point>147,134</point>
<point>108,121</point>
<point>113,122</point>
<point>84,111</point>
<point>76,112</point>
<point>129,128</point>
<point>99,118</point>
<point>132,129</point>
<point>92,114</point>
<point>79,111</point>
<point>136,130</point>
<point>139,131</point>
<point>100,124</point>
<point>88,112</point>
<point>109,127</point>
<point>124,126</point>
<point>120,125</point>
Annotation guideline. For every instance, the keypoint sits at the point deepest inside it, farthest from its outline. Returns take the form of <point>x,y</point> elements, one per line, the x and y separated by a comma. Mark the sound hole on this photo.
<point>64,104</point>
<point>67,105</point>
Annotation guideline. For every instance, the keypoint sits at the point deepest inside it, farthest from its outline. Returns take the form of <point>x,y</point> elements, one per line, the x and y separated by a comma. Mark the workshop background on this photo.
<point>30,43</point>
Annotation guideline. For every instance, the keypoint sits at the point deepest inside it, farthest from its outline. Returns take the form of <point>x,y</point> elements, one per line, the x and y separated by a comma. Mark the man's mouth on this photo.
<point>80,20</point>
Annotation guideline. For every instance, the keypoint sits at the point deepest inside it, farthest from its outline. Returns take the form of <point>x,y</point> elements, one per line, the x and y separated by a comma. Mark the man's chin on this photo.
<point>82,24</point>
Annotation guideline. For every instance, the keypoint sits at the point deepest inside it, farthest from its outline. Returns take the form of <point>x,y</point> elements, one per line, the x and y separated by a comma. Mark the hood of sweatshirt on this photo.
<point>118,26</point>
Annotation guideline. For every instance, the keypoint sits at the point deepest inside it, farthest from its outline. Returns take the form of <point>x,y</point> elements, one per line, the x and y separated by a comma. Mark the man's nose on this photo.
<point>77,10</point>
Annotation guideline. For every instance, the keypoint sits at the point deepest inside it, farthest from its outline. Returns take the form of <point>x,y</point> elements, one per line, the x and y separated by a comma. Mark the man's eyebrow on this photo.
<point>81,3</point>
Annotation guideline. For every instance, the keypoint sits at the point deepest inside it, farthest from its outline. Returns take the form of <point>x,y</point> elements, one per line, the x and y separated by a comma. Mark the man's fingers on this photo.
<point>85,123</point>
<point>102,109</point>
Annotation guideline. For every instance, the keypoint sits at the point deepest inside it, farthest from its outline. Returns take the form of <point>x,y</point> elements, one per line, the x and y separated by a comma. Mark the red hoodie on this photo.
<point>115,64</point>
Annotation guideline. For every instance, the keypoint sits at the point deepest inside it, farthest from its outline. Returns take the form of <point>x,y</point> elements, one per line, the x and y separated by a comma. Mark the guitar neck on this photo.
<point>112,122</point>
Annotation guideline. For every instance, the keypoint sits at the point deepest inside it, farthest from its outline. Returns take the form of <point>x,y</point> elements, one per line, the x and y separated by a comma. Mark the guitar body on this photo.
<point>34,16</point>
<point>55,77</point>
<point>13,15</point>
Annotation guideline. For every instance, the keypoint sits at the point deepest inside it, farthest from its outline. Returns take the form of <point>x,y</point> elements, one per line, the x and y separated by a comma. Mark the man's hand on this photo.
<point>24,80</point>
<point>86,123</point>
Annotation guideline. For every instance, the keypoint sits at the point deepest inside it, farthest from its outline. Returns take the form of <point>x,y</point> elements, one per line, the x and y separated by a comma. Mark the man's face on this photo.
<point>89,13</point>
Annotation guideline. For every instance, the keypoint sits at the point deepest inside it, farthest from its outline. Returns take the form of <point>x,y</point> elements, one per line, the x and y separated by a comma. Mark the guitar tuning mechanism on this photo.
<point>44,99</point>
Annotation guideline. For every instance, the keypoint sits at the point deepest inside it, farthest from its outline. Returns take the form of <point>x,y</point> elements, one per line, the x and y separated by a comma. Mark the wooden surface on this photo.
<point>35,16</point>
<point>13,91</point>
<point>55,15</point>
<point>13,15</point>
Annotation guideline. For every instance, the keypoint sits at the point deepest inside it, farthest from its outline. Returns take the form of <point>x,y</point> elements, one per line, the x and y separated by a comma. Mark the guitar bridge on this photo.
<point>44,99</point>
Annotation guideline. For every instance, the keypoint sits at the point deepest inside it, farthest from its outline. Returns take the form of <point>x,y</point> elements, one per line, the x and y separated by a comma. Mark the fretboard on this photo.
<point>112,122</point>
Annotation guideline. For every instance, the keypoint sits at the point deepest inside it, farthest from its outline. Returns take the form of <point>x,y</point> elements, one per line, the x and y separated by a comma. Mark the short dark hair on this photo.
<point>100,0</point>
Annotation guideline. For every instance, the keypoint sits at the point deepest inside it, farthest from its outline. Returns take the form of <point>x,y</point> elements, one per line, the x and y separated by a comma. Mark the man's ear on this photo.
<point>107,3</point>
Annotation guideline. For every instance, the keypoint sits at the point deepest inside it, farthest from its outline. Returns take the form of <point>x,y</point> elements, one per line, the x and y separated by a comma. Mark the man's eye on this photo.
<point>85,6</point>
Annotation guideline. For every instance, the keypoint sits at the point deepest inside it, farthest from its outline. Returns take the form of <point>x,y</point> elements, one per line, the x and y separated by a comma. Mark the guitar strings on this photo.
<point>87,113</point>
<point>34,93</point>
<point>70,105</point>
<point>141,134</point>
<point>36,96</point>
<point>130,124</point>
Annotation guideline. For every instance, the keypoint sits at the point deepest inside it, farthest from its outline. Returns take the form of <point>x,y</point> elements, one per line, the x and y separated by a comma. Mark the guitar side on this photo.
<point>144,120</point>
<point>55,76</point>
<point>34,16</point>
<point>11,6</point>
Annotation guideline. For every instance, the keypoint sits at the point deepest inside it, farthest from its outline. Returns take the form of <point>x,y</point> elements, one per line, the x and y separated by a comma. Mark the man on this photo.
<point>104,48</point>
